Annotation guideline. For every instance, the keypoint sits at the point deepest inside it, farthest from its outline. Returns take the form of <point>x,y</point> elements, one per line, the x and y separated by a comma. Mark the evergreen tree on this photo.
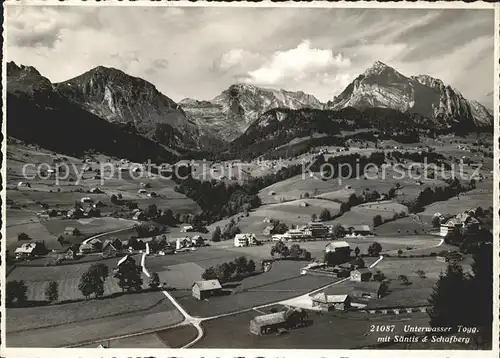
<point>52,291</point>
<point>16,292</point>
<point>154,281</point>
<point>216,235</point>
<point>251,266</point>
<point>129,275</point>
<point>209,274</point>
<point>87,284</point>
<point>92,281</point>
<point>374,249</point>
<point>480,295</point>
<point>325,215</point>
<point>447,310</point>
<point>357,251</point>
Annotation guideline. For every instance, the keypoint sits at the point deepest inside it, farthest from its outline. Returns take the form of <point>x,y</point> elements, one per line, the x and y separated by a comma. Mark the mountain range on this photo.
<point>230,114</point>
<point>124,105</point>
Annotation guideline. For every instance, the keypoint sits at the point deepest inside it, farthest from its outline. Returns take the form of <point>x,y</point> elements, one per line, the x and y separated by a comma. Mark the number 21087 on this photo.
<point>382,328</point>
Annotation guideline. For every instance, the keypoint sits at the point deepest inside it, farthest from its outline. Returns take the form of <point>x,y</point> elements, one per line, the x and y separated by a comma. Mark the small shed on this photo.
<point>361,275</point>
<point>370,290</point>
<point>337,246</point>
<point>206,288</point>
<point>187,228</point>
<point>326,302</point>
<point>291,318</point>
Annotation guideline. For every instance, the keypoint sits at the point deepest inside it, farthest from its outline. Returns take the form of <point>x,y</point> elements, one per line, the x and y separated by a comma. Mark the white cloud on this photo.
<point>239,60</point>
<point>297,64</point>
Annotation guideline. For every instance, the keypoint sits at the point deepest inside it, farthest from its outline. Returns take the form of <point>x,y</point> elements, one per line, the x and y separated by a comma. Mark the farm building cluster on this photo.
<point>318,230</point>
<point>465,221</point>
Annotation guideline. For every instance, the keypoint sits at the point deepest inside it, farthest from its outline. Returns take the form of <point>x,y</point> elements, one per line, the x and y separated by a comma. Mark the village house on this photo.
<point>338,246</point>
<point>361,275</point>
<point>86,200</point>
<point>124,259</point>
<point>296,234</point>
<point>272,322</point>
<point>327,302</point>
<point>72,252</point>
<point>86,248</point>
<point>98,204</point>
<point>369,290</point>
<point>71,231</point>
<point>182,243</point>
<point>268,230</point>
<point>197,241</point>
<point>206,288</point>
<point>139,215</point>
<point>108,249</point>
<point>461,221</point>
<point>30,250</point>
<point>187,228</point>
<point>92,212</point>
<point>241,240</point>
<point>316,229</point>
<point>75,213</point>
<point>357,230</point>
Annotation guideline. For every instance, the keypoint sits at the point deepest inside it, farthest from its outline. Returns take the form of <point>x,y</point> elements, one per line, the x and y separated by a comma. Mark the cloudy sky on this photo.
<point>199,52</point>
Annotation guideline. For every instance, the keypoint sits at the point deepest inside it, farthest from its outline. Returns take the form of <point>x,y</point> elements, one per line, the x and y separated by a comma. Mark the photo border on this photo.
<point>278,353</point>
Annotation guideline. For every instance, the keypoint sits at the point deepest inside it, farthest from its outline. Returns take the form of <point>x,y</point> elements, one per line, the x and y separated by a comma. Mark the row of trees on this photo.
<point>294,252</point>
<point>377,219</point>
<point>230,231</point>
<point>235,270</point>
<point>430,195</point>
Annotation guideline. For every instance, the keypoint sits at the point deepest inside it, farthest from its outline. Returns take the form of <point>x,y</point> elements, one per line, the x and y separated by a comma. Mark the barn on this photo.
<point>291,318</point>
<point>206,288</point>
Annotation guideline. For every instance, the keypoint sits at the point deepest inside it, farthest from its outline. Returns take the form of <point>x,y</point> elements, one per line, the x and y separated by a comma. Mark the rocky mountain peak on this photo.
<point>377,68</point>
<point>13,69</point>
<point>382,86</point>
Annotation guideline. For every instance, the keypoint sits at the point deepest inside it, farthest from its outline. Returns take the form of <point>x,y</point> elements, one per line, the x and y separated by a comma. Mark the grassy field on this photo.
<point>392,267</point>
<point>327,331</point>
<point>67,276</point>
<point>177,337</point>
<point>403,226</point>
<point>29,318</point>
<point>456,205</point>
<point>98,329</point>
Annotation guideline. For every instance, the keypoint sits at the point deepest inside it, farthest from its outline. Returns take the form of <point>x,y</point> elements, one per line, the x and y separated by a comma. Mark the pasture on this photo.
<point>144,312</point>
<point>403,226</point>
<point>392,267</point>
<point>68,278</point>
<point>457,205</point>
